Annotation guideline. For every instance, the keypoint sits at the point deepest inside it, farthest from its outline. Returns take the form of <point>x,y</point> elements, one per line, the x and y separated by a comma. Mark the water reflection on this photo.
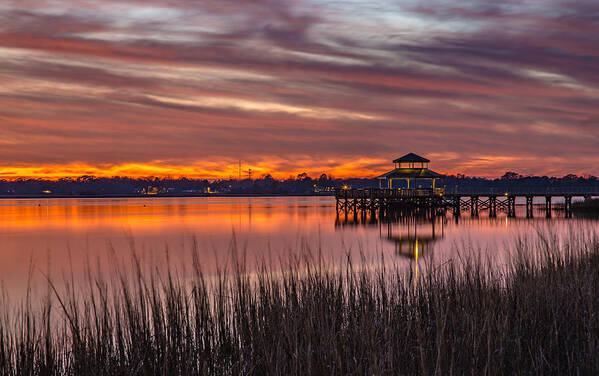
<point>65,232</point>
<point>412,235</point>
<point>415,235</point>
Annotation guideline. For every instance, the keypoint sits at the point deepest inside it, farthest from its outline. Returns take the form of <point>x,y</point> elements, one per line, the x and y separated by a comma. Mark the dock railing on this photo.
<point>526,191</point>
<point>354,193</point>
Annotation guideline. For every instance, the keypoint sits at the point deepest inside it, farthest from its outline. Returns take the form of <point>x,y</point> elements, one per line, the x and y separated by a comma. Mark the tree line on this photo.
<point>302,184</point>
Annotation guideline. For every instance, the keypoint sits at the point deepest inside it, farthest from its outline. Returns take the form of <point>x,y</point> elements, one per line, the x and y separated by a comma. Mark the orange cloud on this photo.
<point>198,170</point>
<point>484,165</point>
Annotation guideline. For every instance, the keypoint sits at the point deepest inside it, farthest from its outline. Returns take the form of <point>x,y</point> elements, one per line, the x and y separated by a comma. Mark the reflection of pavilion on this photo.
<point>413,238</point>
<point>412,235</point>
<point>412,247</point>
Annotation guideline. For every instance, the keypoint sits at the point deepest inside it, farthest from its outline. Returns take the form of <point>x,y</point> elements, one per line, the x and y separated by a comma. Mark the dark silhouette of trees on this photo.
<point>510,175</point>
<point>302,184</point>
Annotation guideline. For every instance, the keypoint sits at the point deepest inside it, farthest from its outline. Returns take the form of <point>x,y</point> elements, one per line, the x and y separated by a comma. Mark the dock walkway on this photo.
<point>430,200</point>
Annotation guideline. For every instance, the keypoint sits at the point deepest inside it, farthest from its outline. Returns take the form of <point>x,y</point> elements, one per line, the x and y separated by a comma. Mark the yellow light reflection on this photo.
<point>416,266</point>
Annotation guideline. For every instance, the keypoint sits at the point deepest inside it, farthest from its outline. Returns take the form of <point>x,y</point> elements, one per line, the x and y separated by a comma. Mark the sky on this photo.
<point>190,87</point>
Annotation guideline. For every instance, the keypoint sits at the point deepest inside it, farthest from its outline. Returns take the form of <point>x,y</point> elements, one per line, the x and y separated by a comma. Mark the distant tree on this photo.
<point>303,177</point>
<point>570,177</point>
<point>510,175</point>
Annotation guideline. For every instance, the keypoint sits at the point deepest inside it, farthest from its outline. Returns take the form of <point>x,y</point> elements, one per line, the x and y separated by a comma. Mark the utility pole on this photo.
<point>250,174</point>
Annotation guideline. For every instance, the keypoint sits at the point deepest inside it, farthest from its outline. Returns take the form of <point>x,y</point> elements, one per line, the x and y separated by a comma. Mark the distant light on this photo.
<point>345,187</point>
<point>47,191</point>
<point>506,193</point>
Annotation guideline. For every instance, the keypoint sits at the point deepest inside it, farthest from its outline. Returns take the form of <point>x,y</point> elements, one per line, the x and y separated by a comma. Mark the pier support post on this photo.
<point>548,206</point>
<point>474,206</point>
<point>529,207</point>
<point>492,206</point>
<point>345,207</point>
<point>456,206</point>
<point>568,206</point>
<point>511,206</point>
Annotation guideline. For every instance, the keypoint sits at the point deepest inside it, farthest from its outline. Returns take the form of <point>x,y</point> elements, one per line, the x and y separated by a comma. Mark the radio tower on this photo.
<point>240,169</point>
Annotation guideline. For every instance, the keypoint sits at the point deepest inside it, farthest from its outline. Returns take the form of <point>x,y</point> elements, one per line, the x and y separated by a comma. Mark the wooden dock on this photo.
<point>431,201</point>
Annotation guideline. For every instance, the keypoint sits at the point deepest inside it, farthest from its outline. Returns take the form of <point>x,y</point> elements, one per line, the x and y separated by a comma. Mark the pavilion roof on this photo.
<point>411,173</point>
<point>411,157</point>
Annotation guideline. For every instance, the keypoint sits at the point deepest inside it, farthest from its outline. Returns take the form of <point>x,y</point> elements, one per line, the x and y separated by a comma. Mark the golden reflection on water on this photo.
<point>416,263</point>
<point>82,215</point>
<point>61,232</point>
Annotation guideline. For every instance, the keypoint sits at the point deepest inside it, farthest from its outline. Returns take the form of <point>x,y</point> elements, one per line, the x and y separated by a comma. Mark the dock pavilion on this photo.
<point>394,202</point>
<point>411,168</point>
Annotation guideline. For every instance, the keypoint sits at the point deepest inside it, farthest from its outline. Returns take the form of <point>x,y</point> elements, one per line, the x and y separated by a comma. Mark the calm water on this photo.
<point>52,234</point>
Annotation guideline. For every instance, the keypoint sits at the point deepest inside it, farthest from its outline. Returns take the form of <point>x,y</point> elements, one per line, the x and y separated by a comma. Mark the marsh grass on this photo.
<point>536,316</point>
<point>586,208</point>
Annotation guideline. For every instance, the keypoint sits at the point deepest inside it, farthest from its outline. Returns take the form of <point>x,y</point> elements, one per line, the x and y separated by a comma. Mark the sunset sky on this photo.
<point>188,88</point>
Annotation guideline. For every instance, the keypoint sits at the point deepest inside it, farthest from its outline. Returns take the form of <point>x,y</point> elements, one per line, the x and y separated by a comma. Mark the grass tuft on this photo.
<point>539,317</point>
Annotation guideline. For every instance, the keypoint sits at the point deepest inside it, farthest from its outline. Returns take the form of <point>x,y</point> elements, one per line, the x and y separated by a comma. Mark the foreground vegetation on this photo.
<point>586,208</point>
<point>539,316</point>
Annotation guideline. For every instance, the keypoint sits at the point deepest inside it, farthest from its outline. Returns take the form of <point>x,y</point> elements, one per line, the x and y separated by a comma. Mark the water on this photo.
<point>51,236</point>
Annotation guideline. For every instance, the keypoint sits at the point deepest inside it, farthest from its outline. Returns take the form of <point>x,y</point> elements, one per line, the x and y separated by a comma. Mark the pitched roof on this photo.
<point>412,173</point>
<point>411,157</point>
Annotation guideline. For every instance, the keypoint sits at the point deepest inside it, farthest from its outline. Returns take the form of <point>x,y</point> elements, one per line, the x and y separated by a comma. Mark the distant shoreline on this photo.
<point>174,195</point>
